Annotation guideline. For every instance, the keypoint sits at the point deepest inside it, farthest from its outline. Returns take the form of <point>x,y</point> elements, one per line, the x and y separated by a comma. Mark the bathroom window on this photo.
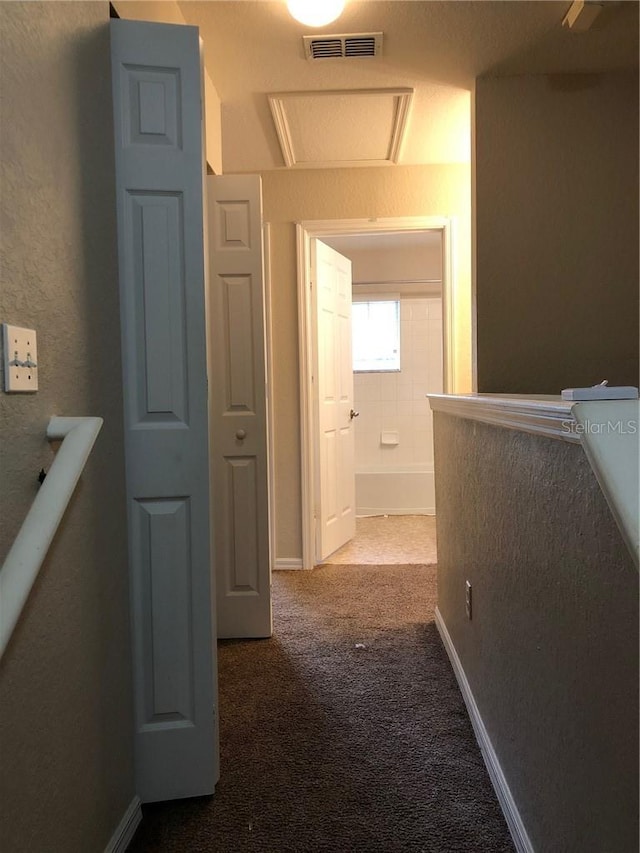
<point>376,335</point>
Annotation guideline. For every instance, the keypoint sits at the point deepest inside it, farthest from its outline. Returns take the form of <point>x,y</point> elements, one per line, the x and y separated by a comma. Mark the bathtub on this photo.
<point>403,491</point>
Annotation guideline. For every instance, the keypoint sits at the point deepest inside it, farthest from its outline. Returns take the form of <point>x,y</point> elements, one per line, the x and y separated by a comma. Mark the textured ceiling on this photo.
<point>253,49</point>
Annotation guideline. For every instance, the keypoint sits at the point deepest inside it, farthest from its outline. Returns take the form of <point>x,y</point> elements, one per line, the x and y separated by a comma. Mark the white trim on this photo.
<point>498,780</point>
<point>30,547</point>
<point>385,225</point>
<point>537,414</point>
<point>613,456</point>
<point>266,255</point>
<point>305,358</point>
<point>126,829</point>
<point>279,116</point>
<point>367,511</point>
<point>401,123</point>
<point>287,563</point>
<point>305,231</point>
<point>277,103</point>
<point>448,308</point>
<point>474,254</point>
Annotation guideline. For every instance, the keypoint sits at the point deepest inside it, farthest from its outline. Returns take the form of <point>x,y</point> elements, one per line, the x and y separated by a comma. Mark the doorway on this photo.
<point>426,293</point>
<point>397,361</point>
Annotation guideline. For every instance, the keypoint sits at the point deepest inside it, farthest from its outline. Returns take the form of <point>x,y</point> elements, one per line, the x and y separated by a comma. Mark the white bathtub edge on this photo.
<point>366,511</point>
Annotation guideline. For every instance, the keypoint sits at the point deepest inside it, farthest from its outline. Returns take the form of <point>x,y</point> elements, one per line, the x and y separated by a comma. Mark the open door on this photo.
<point>333,401</point>
<point>159,190</point>
<point>239,406</point>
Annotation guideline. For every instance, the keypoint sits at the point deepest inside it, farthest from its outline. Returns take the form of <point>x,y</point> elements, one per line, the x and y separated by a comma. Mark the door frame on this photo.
<point>268,336</point>
<point>306,231</point>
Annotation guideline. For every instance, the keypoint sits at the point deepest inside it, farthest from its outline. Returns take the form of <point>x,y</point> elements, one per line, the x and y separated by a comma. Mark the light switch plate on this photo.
<point>20,350</point>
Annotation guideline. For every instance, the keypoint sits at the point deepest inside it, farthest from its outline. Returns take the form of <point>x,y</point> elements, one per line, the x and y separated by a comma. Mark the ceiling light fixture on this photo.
<point>315,13</point>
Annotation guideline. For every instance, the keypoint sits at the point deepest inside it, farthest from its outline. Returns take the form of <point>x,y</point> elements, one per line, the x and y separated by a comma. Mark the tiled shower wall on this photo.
<point>397,401</point>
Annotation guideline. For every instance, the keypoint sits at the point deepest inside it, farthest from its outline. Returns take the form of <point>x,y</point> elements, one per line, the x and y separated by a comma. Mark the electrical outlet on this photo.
<point>468,599</point>
<point>20,350</point>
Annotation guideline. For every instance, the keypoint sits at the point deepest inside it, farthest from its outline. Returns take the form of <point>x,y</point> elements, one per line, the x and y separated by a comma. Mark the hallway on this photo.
<point>344,732</point>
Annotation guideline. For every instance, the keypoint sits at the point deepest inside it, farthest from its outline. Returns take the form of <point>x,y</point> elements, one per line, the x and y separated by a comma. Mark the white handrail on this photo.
<point>27,553</point>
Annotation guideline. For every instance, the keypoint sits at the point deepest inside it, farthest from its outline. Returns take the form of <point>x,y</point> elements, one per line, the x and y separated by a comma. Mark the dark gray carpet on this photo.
<point>344,732</point>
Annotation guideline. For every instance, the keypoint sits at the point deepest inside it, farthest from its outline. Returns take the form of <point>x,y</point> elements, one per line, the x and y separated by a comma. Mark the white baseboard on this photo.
<point>505,798</point>
<point>365,511</point>
<point>287,563</point>
<point>126,829</point>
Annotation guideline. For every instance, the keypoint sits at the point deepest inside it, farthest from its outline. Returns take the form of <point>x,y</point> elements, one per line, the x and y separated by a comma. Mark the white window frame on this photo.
<point>378,297</point>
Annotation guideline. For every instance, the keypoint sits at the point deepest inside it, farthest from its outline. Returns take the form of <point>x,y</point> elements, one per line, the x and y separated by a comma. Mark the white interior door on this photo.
<point>333,400</point>
<point>159,177</point>
<point>239,406</point>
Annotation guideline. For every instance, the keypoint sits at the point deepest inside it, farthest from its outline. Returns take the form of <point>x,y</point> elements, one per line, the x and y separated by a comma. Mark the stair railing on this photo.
<point>23,562</point>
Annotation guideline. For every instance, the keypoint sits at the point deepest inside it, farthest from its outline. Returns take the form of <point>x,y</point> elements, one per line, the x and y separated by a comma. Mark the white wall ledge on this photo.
<point>545,415</point>
<point>609,433</point>
<point>607,429</point>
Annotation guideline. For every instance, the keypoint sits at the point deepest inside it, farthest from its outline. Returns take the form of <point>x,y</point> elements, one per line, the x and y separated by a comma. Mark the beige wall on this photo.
<point>212,125</point>
<point>556,164</point>
<point>290,196</point>
<point>551,654</point>
<point>65,682</point>
<point>394,265</point>
<point>160,11</point>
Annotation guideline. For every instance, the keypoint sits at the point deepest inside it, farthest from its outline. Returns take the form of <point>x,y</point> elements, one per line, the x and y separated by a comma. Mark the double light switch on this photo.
<point>20,359</point>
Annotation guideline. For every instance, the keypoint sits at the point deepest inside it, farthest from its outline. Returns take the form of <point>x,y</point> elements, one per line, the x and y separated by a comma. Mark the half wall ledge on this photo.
<point>607,429</point>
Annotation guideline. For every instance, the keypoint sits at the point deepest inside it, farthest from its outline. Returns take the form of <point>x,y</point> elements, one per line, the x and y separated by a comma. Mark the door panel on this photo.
<point>335,498</point>
<point>159,191</point>
<point>155,229</point>
<point>162,536</point>
<point>239,406</point>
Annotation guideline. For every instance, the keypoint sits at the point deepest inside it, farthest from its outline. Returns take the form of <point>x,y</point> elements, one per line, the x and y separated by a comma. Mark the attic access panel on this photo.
<point>354,127</point>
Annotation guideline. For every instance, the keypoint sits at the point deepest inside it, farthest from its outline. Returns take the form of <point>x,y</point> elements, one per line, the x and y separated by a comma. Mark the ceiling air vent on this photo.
<point>352,46</point>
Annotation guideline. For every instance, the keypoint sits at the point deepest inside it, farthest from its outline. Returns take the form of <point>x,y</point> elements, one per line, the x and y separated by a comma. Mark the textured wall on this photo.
<point>551,653</point>
<point>394,264</point>
<point>556,161</point>
<point>65,680</point>
<point>290,196</point>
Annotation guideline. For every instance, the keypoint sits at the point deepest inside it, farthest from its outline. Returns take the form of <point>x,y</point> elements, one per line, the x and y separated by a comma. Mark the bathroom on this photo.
<point>398,360</point>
